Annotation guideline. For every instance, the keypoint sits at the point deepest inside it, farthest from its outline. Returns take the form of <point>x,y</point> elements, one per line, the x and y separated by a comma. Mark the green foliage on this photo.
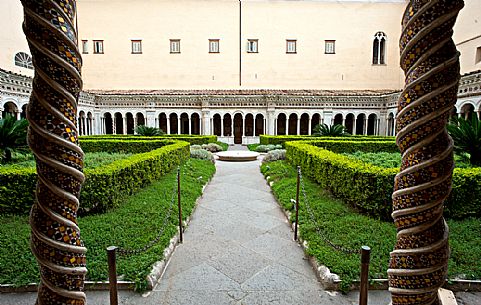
<point>381,159</point>
<point>324,130</point>
<point>275,155</point>
<point>146,131</point>
<point>467,137</point>
<point>267,139</point>
<point>212,147</point>
<point>201,154</point>
<point>369,187</point>
<point>344,226</point>
<point>122,146</point>
<point>133,224</point>
<point>346,146</point>
<point>267,148</point>
<point>105,187</point>
<point>224,145</point>
<point>13,136</point>
<point>192,139</point>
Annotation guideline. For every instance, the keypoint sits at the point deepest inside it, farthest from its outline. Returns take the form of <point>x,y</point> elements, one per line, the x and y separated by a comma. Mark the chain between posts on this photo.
<point>313,219</point>
<point>128,252</point>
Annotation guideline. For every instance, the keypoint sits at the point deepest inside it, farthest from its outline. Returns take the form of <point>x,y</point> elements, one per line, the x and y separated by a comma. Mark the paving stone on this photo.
<point>310,297</point>
<point>240,264</point>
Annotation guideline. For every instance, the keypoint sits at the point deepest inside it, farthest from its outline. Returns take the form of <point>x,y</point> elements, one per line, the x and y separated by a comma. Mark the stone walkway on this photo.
<point>238,250</point>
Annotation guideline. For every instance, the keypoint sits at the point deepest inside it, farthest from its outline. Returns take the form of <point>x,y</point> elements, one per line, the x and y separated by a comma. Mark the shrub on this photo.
<point>13,136</point>
<point>275,155</point>
<point>122,146</point>
<point>201,154</point>
<point>192,139</point>
<point>194,147</point>
<point>145,131</point>
<point>267,139</point>
<point>369,187</point>
<point>324,130</point>
<point>105,186</point>
<point>212,147</point>
<point>267,148</point>
<point>467,137</point>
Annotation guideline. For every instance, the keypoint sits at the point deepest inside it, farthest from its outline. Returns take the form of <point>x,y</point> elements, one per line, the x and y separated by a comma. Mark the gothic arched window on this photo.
<point>379,49</point>
<point>23,60</point>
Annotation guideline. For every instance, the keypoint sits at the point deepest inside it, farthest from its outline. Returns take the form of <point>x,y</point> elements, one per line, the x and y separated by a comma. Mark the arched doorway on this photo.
<point>316,120</point>
<point>372,125</point>
<point>217,121</point>
<point>10,108</point>
<point>467,111</point>
<point>23,114</point>
<point>360,122</point>
<point>350,123</point>
<point>119,123</point>
<point>195,123</point>
<point>174,123</point>
<point>184,123</point>
<point>281,124</point>
<point>227,125</point>
<point>238,128</point>
<point>338,119</point>
<point>249,128</point>
<point>108,123</point>
<point>390,124</point>
<point>292,124</point>
<point>81,123</point>
<point>304,124</point>
<point>90,124</point>
<point>259,125</point>
<point>162,122</point>
<point>130,123</point>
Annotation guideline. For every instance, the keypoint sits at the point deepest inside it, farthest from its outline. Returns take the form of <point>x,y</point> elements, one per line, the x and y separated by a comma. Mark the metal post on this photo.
<point>179,205</point>
<point>297,201</point>
<point>365,260</point>
<point>111,251</point>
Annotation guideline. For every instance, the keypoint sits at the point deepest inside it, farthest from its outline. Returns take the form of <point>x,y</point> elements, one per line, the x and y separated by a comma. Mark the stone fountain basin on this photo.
<point>237,155</point>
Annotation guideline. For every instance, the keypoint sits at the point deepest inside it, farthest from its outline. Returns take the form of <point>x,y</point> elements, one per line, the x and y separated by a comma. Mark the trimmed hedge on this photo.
<point>121,146</point>
<point>353,146</point>
<point>105,187</point>
<point>369,188</point>
<point>192,139</point>
<point>267,139</point>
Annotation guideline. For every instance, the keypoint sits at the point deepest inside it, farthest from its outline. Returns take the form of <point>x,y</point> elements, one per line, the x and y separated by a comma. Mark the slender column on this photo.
<point>17,115</point>
<point>364,126</point>
<point>168,125</point>
<point>298,126</point>
<point>255,123</point>
<point>309,127</point>
<point>114,125</point>
<point>275,126</point>
<point>287,125</point>
<point>124,126</point>
<point>190,126</point>
<point>243,126</point>
<point>55,238</point>
<point>222,126</point>
<point>179,125</point>
<point>354,125</point>
<point>419,261</point>
<point>478,113</point>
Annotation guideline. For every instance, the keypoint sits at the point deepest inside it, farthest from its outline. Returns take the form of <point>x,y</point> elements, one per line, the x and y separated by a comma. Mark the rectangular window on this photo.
<point>252,46</point>
<point>478,55</point>
<point>136,46</point>
<point>291,46</point>
<point>85,46</point>
<point>175,46</point>
<point>214,46</point>
<point>330,47</point>
<point>98,47</point>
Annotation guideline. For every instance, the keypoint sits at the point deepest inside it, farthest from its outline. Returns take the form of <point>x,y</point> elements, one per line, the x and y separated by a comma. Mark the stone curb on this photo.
<point>331,281</point>
<point>152,279</point>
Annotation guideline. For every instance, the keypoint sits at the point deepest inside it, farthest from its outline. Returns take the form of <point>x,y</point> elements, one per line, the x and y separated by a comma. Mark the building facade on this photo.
<point>236,69</point>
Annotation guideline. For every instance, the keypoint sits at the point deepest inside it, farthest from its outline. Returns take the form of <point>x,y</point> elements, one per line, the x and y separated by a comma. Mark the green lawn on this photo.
<point>344,226</point>
<point>132,225</point>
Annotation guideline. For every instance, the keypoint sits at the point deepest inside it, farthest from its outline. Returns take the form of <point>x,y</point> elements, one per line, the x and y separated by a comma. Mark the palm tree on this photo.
<point>13,136</point>
<point>148,131</point>
<point>323,130</point>
<point>467,137</point>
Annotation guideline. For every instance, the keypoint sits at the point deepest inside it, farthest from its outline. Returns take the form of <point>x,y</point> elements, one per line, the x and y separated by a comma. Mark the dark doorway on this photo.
<point>238,128</point>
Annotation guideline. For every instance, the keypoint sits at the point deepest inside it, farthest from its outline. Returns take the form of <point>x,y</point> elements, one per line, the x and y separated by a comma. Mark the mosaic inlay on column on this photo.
<point>419,262</point>
<point>52,111</point>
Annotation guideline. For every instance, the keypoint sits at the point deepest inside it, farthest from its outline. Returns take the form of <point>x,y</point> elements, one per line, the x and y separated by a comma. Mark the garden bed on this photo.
<point>344,226</point>
<point>131,225</point>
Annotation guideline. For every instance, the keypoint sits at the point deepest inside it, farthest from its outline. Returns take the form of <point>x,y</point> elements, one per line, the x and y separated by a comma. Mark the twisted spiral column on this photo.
<point>52,111</point>
<point>419,262</point>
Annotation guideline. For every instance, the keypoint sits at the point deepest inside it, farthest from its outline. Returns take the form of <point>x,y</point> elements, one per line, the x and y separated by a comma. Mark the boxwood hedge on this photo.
<point>369,188</point>
<point>267,139</point>
<point>192,139</point>
<point>104,187</point>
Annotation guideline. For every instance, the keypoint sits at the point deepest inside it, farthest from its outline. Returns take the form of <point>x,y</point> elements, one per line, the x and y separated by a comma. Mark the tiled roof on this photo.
<point>247,92</point>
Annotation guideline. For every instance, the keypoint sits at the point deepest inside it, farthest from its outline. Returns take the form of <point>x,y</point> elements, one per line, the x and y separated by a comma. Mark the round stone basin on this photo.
<point>237,155</point>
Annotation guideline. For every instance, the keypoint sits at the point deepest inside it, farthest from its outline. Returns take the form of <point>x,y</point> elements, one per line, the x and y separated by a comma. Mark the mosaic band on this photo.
<point>419,262</point>
<point>52,111</point>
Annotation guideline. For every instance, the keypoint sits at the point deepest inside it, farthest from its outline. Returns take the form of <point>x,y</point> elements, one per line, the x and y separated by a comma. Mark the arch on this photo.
<point>238,128</point>
<point>217,125</point>
<point>140,119</point>
<point>350,123</point>
<point>89,123</point>
<point>227,122</point>
<point>195,123</point>
<point>316,120</point>
<point>109,129</point>
<point>304,122</point>
<point>184,123</point>
<point>162,123</point>
<point>390,124</point>
<point>23,60</point>
<point>174,123</point>
<point>360,124</point>
<point>292,126</point>
<point>119,123</point>
<point>372,124</point>
<point>379,49</point>
<point>249,125</point>
<point>130,123</point>
<point>338,119</point>
<point>10,108</point>
<point>81,123</point>
<point>23,114</point>
<point>281,124</point>
<point>467,111</point>
<point>259,124</point>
